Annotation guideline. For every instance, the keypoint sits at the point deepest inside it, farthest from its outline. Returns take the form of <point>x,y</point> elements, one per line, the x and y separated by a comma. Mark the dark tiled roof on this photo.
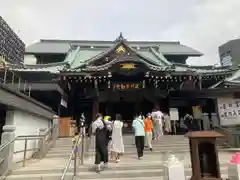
<point>81,54</point>
<point>63,46</point>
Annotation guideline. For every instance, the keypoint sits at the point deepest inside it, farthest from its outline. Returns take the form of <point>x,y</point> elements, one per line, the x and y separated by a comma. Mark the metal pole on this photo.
<point>174,127</point>
<point>5,76</point>
<point>75,163</point>
<point>19,84</point>
<point>13,74</point>
<point>24,86</point>
<point>82,146</point>
<point>29,90</point>
<point>200,82</point>
<point>25,152</point>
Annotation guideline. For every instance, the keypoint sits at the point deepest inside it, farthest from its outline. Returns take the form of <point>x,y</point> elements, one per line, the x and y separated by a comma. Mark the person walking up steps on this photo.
<point>117,146</point>
<point>157,116</point>
<point>148,131</point>
<point>100,129</point>
<point>76,140</point>
<point>138,126</point>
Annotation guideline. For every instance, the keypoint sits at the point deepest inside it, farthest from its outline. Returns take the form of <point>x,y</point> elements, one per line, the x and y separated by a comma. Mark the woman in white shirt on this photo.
<point>157,116</point>
<point>117,146</point>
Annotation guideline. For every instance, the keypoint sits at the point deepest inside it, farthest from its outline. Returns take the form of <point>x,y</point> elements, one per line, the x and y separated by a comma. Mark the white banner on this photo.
<point>174,116</point>
<point>229,111</point>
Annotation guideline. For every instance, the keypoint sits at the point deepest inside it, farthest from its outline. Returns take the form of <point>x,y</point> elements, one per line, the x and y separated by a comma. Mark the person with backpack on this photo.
<point>102,130</point>
<point>139,133</point>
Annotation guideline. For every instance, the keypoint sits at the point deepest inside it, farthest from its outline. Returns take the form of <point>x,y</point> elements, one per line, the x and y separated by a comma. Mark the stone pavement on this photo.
<point>150,167</point>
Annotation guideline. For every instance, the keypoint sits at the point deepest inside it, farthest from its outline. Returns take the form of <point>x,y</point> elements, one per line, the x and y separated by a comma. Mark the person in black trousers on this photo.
<point>139,140</point>
<point>101,130</point>
<point>138,126</point>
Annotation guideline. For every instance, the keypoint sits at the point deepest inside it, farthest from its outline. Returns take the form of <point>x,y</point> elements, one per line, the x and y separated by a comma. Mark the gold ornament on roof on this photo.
<point>120,49</point>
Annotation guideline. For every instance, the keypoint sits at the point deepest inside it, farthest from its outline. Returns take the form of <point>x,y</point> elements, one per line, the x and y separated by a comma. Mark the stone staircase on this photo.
<point>150,167</point>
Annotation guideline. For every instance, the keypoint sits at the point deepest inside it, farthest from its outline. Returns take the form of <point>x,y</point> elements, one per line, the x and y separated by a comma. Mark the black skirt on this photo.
<point>101,146</point>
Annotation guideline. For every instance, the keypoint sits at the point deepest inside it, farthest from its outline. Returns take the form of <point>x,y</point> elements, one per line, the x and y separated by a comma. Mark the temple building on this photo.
<point>119,76</point>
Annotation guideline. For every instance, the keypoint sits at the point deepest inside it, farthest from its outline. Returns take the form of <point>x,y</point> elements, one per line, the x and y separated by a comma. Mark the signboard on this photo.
<point>128,66</point>
<point>197,112</point>
<point>122,86</point>
<point>174,116</point>
<point>226,60</point>
<point>229,111</point>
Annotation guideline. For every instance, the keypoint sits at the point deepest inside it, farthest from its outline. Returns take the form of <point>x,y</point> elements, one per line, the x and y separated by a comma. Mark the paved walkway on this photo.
<point>150,167</point>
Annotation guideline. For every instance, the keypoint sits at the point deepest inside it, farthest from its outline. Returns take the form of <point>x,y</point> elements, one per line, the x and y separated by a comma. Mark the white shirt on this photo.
<point>117,138</point>
<point>157,116</point>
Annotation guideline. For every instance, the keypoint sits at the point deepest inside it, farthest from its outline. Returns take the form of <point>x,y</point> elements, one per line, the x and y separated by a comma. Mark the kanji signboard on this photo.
<point>122,86</point>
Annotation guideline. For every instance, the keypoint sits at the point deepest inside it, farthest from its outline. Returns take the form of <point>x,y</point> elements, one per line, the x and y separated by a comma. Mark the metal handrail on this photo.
<point>15,78</point>
<point>19,138</point>
<point>25,150</point>
<point>73,154</point>
<point>23,136</point>
<point>232,137</point>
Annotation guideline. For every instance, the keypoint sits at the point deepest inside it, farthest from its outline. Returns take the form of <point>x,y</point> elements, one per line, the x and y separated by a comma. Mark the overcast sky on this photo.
<point>201,24</point>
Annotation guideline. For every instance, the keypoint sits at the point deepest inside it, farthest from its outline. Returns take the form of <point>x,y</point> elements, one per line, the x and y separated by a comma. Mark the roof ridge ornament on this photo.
<point>120,38</point>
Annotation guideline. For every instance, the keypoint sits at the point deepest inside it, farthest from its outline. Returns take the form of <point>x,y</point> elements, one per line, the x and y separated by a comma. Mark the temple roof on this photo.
<point>63,46</point>
<point>51,67</point>
<point>233,80</point>
<point>93,56</point>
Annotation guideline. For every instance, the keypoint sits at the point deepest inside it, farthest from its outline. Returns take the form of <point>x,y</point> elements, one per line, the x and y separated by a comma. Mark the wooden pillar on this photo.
<point>95,100</point>
<point>107,109</point>
<point>95,108</point>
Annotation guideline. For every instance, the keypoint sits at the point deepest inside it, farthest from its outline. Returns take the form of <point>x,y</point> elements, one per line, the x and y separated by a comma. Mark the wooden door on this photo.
<point>65,125</point>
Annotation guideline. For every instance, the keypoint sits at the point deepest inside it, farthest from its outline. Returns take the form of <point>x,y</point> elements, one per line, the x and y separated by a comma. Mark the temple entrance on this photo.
<point>128,110</point>
<point>126,103</point>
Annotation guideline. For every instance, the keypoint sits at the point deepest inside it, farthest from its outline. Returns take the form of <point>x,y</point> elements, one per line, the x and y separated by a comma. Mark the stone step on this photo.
<point>127,152</point>
<point>127,148</point>
<point>110,173</point>
<point>224,177</point>
<point>90,168</point>
<point>159,153</point>
<point>150,167</point>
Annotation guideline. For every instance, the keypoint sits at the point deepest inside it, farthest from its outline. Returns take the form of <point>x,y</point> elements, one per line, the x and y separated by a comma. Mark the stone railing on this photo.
<point>44,141</point>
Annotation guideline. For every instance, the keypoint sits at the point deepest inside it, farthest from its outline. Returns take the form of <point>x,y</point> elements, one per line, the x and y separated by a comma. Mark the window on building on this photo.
<point>226,59</point>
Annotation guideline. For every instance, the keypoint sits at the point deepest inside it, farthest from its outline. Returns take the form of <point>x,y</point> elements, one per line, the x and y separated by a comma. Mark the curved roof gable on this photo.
<point>83,56</point>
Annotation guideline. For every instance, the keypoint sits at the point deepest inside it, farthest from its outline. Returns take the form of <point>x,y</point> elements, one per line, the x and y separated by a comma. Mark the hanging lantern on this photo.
<point>155,84</point>
<point>95,84</point>
<point>144,84</point>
